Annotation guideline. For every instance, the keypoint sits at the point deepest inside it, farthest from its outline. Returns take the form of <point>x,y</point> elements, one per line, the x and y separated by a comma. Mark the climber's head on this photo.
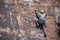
<point>41,11</point>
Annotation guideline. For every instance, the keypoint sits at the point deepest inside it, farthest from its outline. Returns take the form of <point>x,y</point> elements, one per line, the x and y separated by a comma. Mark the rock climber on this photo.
<point>40,23</point>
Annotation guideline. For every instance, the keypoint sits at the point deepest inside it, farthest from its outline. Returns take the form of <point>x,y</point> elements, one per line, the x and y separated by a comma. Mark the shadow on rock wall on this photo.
<point>7,18</point>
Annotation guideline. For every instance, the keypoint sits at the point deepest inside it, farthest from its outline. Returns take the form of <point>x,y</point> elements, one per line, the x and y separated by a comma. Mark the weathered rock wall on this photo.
<point>24,11</point>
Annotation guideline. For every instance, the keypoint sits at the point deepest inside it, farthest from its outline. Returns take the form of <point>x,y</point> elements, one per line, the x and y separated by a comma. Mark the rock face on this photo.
<point>18,22</point>
<point>7,17</point>
<point>21,34</point>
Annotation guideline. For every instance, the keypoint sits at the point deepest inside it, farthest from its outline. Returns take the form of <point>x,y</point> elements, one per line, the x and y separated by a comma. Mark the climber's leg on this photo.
<point>42,28</point>
<point>58,29</point>
<point>44,32</point>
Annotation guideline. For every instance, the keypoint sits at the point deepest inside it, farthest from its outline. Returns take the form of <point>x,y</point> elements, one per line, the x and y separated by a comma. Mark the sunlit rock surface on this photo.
<point>17,20</point>
<point>10,30</point>
<point>21,34</point>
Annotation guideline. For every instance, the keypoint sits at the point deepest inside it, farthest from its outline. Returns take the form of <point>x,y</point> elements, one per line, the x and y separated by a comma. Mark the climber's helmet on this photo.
<point>41,11</point>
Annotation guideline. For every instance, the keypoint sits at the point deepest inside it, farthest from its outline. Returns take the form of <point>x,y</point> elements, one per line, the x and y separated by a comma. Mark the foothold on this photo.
<point>2,16</point>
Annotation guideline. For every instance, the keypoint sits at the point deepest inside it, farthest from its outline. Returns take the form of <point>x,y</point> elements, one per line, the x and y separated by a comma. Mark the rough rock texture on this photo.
<point>23,14</point>
<point>21,34</point>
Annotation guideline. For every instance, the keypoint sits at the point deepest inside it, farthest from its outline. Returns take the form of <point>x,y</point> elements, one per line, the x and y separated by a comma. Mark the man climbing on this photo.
<point>58,23</point>
<point>40,15</point>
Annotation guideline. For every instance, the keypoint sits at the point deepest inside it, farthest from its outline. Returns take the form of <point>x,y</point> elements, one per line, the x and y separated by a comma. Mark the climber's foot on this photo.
<point>45,35</point>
